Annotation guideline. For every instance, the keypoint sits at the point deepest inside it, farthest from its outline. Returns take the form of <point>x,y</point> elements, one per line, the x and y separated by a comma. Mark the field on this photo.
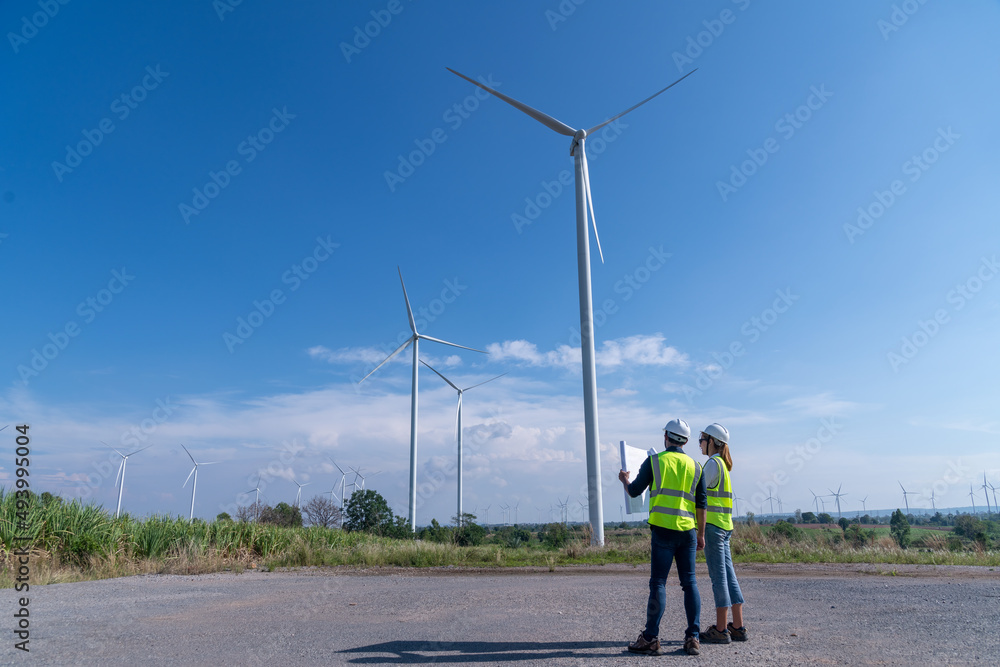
<point>74,542</point>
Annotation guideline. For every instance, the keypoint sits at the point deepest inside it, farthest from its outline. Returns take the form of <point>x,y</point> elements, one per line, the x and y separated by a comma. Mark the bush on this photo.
<point>554,536</point>
<point>900,529</point>
<point>857,537</point>
<point>789,531</point>
<point>470,535</point>
<point>513,537</point>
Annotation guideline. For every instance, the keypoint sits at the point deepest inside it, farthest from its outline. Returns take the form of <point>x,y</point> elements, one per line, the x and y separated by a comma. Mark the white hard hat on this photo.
<point>717,431</point>
<point>679,429</point>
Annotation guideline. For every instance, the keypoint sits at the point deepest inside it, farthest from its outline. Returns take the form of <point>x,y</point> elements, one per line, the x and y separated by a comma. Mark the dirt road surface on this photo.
<point>833,614</point>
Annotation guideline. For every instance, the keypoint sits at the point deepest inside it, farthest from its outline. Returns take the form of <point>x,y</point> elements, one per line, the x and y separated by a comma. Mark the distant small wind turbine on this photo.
<point>256,502</point>
<point>414,340</point>
<point>458,426</point>
<point>863,508</point>
<point>986,495</point>
<point>194,471</point>
<point>121,474</point>
<point>905,494</point>
<point>837,495</point>
<point>815,500</point>
<point>298,495</point>
<point>583,201</point>
<point>973,496</point>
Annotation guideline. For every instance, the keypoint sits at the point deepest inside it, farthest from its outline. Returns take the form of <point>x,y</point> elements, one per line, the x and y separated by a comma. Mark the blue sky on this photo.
<point>820,196</point>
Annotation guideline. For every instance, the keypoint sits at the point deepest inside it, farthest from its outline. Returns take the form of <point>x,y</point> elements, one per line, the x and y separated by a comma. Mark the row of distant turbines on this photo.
<point>819,501</point>
<point>356,484</point>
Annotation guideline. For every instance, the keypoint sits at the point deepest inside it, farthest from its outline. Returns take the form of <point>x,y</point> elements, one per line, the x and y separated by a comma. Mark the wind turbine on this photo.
<point>987,495</point>
<point>298,495</point>
<point>781,510</point>
<point>736,504</point>
<point>837,495</point>
<point>194,471</point>
<point>343,482</point>
<point>414,339</point>
<point>815,500</point>
<point>256,502</point>
<point>583,201</point>
<point>863,507</point>
<point>973,496</point>
<point>994,490</point>
<point>516,505</point>
<point>933,506</point>
<point>121,473</point>
<point>905,494</point>
<point>458,422</point>
<point>771,498</point>
<point>487,510</point>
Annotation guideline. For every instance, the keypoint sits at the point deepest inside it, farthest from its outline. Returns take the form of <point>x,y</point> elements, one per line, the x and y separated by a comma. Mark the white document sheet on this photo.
<point>632,460</point>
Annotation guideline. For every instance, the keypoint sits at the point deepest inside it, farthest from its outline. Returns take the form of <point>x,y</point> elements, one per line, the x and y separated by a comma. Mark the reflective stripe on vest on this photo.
<point>720,498</point>
<point>671,497</point>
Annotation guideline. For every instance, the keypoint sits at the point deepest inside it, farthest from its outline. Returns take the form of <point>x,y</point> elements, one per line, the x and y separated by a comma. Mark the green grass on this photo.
<point>73,542</point>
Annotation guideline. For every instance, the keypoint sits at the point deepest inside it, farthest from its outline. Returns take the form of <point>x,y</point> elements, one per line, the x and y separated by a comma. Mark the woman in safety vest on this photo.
<point>714,441</point>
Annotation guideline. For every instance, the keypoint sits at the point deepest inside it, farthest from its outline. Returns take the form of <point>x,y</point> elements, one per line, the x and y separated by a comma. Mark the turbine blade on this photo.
<point>139,450</point>
<point>189,476</point>
<point>590,198</point>
<point>633,108</point>
<point>397,351</point>
<point>338,467</point>
<point>444,342</point>
<point>112,448</point>
<point>482,383</point>
<point>189,454</point>
<point>452,384</point>
<point>545,119</point>
<point>409,311</point>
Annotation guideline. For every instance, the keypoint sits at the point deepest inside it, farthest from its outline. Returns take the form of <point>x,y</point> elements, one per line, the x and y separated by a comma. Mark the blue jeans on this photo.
<point>667,546</point>
<point>725,587</point>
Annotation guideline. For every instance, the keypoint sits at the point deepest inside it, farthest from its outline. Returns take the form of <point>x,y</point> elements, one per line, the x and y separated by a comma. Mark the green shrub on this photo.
<point>789,531</point>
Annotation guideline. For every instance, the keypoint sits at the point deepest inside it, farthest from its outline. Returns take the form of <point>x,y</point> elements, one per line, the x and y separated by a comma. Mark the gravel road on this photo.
<point>832,614</point>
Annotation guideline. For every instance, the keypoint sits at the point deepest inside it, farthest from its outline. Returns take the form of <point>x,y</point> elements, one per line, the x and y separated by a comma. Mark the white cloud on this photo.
<point>612,355</point>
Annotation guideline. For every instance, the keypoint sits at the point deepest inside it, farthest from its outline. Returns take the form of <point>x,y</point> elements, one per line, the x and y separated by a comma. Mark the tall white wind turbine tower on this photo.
<point>121,474</point>
<point>194,471</point>
<point>583,202</point>
<point>414,340</point>
<point>458,428</point>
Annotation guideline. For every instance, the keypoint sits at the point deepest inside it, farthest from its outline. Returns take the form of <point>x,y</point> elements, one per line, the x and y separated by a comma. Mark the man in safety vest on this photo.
<point>677,504</point>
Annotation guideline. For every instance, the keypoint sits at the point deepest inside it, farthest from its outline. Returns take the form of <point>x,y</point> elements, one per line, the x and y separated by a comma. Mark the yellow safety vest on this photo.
<point>720,499</point>
<point>671,496</point>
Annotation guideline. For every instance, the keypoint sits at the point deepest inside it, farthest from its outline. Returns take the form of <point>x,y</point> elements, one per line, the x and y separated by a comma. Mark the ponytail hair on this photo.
<point>722,449</point>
